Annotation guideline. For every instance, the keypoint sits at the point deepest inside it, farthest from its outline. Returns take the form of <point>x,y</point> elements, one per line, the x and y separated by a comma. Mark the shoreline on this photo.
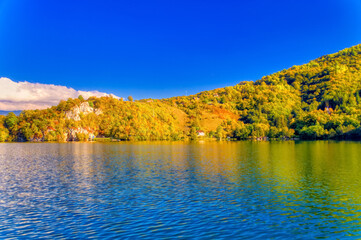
<point>192,141</point>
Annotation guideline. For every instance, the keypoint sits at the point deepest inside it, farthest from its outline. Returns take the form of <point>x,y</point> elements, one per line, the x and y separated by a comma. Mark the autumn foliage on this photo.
<point>317,100</point>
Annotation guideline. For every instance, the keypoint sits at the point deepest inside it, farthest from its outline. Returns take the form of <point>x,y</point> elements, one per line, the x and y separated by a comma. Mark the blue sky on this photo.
<point>157,49</point>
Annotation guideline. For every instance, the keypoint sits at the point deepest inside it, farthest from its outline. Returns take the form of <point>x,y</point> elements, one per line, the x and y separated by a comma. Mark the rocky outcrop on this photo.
<point>80,134</point>
<point>84,108</point>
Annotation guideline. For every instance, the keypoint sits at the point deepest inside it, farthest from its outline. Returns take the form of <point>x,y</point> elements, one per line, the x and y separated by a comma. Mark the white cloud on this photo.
<point>25,95</point>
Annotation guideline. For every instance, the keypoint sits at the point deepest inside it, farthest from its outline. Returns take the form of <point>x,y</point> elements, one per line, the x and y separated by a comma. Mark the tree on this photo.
<point>219,133</point>
<point>312,132</point>
<point>130,98</point>
<point>4,134</point>
<point>193,133</point>
<point>11,121</point>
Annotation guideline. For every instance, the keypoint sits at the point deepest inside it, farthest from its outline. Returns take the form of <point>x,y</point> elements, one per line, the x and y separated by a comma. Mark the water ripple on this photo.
<point>179,190</point>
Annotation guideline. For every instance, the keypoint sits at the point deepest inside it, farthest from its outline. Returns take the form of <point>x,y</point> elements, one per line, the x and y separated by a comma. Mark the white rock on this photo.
<point>84,108</point>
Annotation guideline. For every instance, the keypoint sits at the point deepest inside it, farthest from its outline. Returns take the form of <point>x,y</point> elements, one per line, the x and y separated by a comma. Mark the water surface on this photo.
<point>157,190</point>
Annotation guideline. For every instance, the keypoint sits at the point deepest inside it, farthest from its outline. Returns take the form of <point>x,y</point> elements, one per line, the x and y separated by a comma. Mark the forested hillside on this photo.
<point>317,100</point>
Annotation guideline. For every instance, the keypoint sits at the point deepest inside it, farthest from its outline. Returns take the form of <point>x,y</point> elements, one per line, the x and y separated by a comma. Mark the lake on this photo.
<point>157,190</point>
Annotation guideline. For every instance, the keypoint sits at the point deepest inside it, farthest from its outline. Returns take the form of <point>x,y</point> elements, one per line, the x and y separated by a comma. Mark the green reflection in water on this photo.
<point>314,180</point>
<point>314,185</point>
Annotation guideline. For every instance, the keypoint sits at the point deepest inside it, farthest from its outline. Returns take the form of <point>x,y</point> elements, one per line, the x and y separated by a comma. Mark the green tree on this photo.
<point>193,133</point>
<point>219,133</point>
<point>11,120</point>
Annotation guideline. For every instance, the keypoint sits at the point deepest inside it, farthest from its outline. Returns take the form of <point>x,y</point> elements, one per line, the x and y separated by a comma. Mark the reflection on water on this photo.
<point>298,190</point>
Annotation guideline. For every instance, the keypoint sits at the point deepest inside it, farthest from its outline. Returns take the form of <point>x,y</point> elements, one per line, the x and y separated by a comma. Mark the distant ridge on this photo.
<point>7,112</point>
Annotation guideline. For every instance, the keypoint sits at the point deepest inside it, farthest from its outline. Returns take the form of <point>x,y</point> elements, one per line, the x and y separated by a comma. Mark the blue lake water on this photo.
<point>157,190</point>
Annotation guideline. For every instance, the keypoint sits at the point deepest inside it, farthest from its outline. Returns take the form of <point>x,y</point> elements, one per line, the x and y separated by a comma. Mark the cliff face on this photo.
<point>80,134</point>
<point>84,108</point>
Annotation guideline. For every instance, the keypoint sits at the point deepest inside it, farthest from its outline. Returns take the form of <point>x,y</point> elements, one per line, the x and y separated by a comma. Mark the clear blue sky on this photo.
<point>162,48</point>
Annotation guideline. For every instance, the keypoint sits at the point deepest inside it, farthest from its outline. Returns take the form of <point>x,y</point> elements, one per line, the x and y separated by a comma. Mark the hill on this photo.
<point>317,100</point>
<point>7,112</point>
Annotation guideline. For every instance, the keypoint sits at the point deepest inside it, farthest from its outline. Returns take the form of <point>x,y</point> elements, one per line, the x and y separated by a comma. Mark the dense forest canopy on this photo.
<point>317,100</point>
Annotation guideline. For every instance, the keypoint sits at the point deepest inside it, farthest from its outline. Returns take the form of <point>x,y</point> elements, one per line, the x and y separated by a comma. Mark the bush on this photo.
<point>4,134</point>
<point>312,132</point>
<point>82,137</point>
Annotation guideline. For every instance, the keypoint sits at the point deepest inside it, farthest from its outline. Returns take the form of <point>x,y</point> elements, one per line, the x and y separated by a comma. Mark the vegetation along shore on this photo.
<point>317,100</point>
